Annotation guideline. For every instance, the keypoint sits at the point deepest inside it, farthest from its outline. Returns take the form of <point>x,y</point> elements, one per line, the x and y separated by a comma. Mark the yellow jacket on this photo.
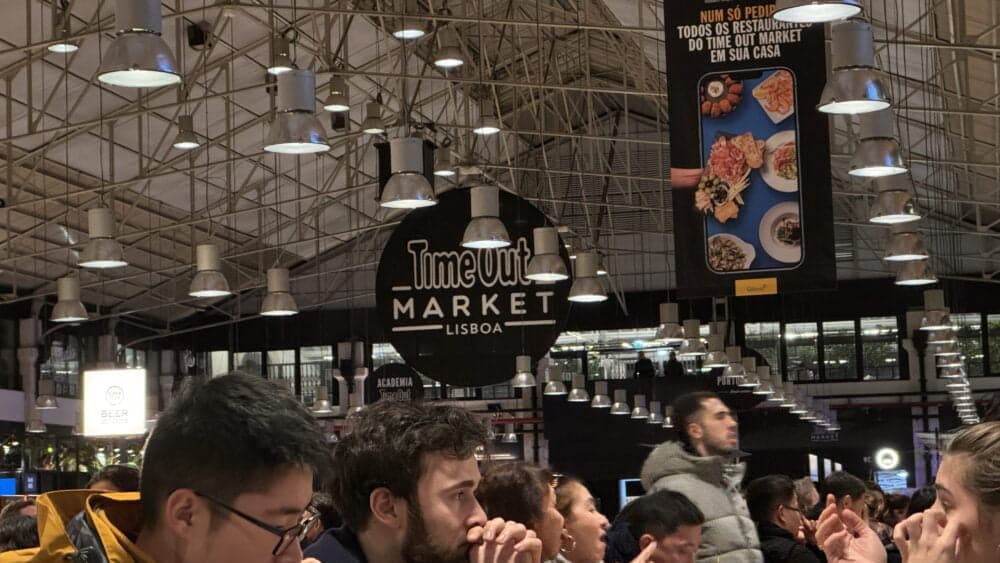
<point>114,518</point>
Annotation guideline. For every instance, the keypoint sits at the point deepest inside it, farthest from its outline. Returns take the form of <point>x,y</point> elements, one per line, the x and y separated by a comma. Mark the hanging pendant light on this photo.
<point>68,308</point>
<point>948,362</point>
<point>449,56</point>
<point>789,392</point>
<point>639,412</point>
<point>442,162</point>
<point>668,417</point>
<point>670,331</point>
<point>488,123</point>
<point>208,281</point>
<point>279,301</point>
<point>905,244</point>
<point>815,11</point>
<point>601,399</point>
<point>554,385</point>
<point>295,130</point>
<point>408,28</point>
<point>138,57</point>
<point>620,406</point>
<point>878,151</point>
<point>957,383</point>
<point>34,424</point>
<point>777,395</point>
<point>546,265</point>
<point>953,372</point>
<point>799,408</point>
<point>586,287</point>
<point>186,138</point>
<point>693,346</point>
<point>62,29</point>
<point>655,413</point>
<point>407,188</point>
<point>716,357</point>
<point>894,203</point>
<point>750,379</point>
<point>321,401</point>
<point>915,273</point>
<point>765,388</point>
<point>281,59</point>
<point>734,372</point>
<point>949,349</point>
<point>579,392</point>
<point>523,378</point>
<point>46,399</point>
<point>509,435</point>
<point>946,336</point>
<point>102,250</point>
<point>485,229</point>
<point>855,85</point>
<point>834,424</point>
<point>936,317</point>
<point>338,100</point>
<point>373,124</point>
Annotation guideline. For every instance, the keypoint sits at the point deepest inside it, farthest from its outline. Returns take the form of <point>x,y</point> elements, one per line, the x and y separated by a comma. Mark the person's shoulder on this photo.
<point>336,545</point>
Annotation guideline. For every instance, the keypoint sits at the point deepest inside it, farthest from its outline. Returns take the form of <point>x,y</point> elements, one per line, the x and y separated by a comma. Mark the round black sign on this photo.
<point>394,382</point>
<point>461,316</point>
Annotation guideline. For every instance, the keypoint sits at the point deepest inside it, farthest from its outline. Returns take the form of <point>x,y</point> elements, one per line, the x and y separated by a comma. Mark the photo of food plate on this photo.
<point>730,160</point>
<point>728,253</point>
<point>780,232</point>
<point>776,95</point>
<point>781,162</point>
<point>720,95</point>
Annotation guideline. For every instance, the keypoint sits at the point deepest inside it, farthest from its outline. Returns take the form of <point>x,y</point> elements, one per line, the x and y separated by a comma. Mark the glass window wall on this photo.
<point>801,342</point>
<point>880,348</point>
<point>839,351</point>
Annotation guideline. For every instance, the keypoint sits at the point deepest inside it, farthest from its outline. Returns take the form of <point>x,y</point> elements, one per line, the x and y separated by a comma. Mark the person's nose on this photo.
<point>292,554</point>
<point>478,516</point>
<point>604,522</point>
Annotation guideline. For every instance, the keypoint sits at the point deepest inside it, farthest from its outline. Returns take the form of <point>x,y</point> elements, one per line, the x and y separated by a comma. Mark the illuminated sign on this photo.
<point>114,402</point>
<point>887,459</point>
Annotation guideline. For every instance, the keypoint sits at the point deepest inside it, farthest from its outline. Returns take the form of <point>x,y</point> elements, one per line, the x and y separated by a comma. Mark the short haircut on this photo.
<point>896,501</point>
<point>228,436</point>
<point>686,407</point>
<point>803,487</point>
<point>18,531</point>
<point>922,499</point>
<point>322,503</point>
<point>14,508</point>
<point>125,478</point>
<point>515,491</point>
<point>660,514</point>
<point>765,494</point>
<point>840,484</point>
<point>387,448</point>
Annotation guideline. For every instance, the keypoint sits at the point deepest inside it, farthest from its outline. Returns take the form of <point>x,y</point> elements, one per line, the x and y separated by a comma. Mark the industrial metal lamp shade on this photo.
<point>601,399</point>
<point>407,188</point>
<point>546,265</point>
<point>373,125</point>
<point>953,372</point>
<point>579,392</point>
<point>281,60</point>
<point>554,385</point>
<point>46,399</point>
<point>668,417</point>
<point>764,387</point>
<point>509,435</point>
<point>789,392</point>
<point>442,163</point>
<point>693,346</point>
<point>186,138</point>
<point>586,287</point>
<point>321,401</point>
<point>915,273</point>
<point>655,414</point>
<point>34,424</point>
<point>449,56</point>
<point>893,207</point>
<point>138,57</point>
<point>208,281</point>
<point>815,11</point>
<point>68,308</point>
<point>716,357</point>
<point>620,405</point>
<point>407,28</point>
<point>488,123</point>
<point>338,99</point>
<point>485,229</point>
<point>640,412</point>
<point>523,378</point>
<point>936,317</point>
<point>102,250</point>
<point>855,85</point>
<point>62,30</point>
<point>905,244</point>
<point>295,130</point>
<point>279,301</point>
<point>878,152</point>
<point>670,331</point>
<point>947,349</point>
<point>749,365</point>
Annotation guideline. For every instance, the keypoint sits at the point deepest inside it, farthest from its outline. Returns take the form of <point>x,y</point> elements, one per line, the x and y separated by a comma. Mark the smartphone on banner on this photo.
<point>750,188</point>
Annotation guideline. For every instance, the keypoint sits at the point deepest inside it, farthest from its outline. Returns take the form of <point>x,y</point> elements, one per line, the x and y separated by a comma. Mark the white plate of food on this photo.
<point>780,232</point>
<point>729,253</point>
<point>781,162</point>
<point>776,96</point>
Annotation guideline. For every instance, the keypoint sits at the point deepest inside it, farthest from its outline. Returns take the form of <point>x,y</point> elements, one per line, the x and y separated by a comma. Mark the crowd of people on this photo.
<point>238,470</point>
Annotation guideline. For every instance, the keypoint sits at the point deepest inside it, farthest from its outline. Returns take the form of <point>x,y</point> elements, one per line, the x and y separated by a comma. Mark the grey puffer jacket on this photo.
<point>729,535</point>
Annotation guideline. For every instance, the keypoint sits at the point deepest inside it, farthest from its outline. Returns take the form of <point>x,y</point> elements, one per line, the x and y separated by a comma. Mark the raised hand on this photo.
<point>928,537</point>
<point>501,541</point>
<point>845,537</point>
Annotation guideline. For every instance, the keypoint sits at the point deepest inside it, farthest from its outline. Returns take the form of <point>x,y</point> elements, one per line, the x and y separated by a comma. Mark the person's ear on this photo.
<point>695,431</point>
<point>387,508</point>
<point>183,512</point>
<point>645,540</point>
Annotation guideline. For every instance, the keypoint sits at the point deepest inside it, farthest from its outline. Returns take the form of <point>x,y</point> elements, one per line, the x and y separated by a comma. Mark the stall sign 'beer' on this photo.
<point>461,315</point>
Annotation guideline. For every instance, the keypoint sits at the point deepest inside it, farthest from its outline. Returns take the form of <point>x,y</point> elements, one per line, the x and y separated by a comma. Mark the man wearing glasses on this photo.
<point>785,535</point>
<point>227,476</point>
<point>404,482</point>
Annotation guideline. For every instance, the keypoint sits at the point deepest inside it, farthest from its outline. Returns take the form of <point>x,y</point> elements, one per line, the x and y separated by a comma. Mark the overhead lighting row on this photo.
<point>943,344</point>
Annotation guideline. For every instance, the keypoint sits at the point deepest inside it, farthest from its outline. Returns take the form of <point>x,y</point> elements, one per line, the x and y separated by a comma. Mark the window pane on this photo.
<point>994,334</point>
<point>281,367</point>
<point>316,368</point>
<point>218,363</point>
<point>880,348</point>
<point>384,353</point>
<point>840,350</point>
<point>970,341</point>
<point>800,345</point>
<point>764,339</point>
<point>249,362</point>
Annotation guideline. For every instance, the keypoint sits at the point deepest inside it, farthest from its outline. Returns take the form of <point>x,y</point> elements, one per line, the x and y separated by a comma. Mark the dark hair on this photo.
<point>765,494</point>
<point>564,498</point>
<point>18,532</point>
<point>896,501</point>
<point>228,436</point>
<point>840,484</point>
<point>14,508</point>
<point>660,514</point>
<point>922,499</point>
<point>125,478</point>
<point>387,446</point>
<point>322,503</point>
<point>685,408</point>
<point>802,488</point>
<point>514,491</point>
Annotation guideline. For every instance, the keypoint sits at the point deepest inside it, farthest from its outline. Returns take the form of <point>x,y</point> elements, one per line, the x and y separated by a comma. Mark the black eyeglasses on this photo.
<point>285,536</point>
<point>799,510</point>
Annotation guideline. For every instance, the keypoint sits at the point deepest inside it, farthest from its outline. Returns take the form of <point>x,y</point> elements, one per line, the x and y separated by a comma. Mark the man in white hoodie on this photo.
<point>703,467</point>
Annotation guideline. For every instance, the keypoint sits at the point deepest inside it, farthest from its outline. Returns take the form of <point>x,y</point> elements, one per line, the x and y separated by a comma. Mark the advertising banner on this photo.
<point>460,315</point>
<point>394,382</point>
<point>752,198</point>
<point>114,402</point>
